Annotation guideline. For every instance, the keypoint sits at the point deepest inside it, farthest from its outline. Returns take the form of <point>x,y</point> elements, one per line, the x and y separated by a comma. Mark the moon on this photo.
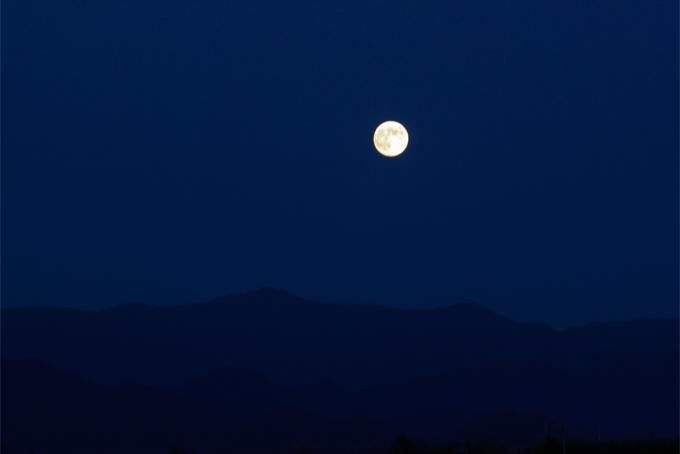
<point>390,139</point>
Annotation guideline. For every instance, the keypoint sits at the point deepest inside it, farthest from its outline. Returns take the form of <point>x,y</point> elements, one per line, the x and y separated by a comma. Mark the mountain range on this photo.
<point>266,371</point>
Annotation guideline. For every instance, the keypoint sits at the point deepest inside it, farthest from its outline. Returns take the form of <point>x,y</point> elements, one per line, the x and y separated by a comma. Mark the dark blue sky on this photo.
<point>169,151</point>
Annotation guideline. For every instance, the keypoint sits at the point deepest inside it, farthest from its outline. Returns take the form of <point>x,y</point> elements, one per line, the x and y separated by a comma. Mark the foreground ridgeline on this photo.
<point>551,445</point>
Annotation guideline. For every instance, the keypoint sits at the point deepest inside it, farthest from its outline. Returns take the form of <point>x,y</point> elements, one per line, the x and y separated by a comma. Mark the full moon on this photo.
<point>390,139</point>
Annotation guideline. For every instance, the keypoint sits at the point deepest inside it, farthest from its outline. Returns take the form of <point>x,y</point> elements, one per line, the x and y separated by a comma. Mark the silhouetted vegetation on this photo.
<point>550,445</point>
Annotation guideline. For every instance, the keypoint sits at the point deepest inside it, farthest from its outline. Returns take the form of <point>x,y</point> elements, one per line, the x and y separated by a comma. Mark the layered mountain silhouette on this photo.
<point>266,371</point>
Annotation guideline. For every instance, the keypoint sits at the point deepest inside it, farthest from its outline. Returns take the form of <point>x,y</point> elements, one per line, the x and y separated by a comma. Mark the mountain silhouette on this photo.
<point>295,374</point>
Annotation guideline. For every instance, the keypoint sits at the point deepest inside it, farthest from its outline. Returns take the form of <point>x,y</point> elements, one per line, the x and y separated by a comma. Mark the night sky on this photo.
<point>177,151</point>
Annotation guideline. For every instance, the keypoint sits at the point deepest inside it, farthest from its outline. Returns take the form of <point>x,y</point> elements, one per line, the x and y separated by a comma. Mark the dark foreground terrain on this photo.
<point>267,372</point>
<point>549,446</point>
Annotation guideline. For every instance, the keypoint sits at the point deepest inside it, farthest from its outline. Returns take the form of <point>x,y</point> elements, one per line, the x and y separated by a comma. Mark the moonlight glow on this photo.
<point>390,139</point>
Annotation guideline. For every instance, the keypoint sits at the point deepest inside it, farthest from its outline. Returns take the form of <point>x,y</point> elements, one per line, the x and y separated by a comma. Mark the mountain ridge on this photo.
<point>294,340</point>
<point>249,368</point>
<point>280,296</point>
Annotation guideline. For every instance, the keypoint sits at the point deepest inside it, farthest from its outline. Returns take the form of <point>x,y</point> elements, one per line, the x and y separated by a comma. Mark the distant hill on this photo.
<point>295,374</point>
